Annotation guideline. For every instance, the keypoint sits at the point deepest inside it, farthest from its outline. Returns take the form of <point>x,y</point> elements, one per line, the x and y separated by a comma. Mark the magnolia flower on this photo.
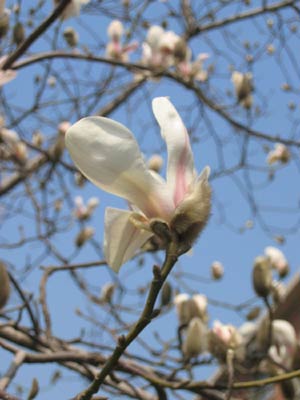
<point>217,270</point>
<point>82,211</point>
<point>196,338</point>
<point>159,47</point>
<point>280,153</point>
<point>6,75</point>
<point>193,69</point>
<point>107,154</point>
<point>243,88</point>
<point>188,307</point>
<point>14,147</point>
<point>114,48</point>
<point>72,9</point>
<point>277,260</point>
<point>223,338</point>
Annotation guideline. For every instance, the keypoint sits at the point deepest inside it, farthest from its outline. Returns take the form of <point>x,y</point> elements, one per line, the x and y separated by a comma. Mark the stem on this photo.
<point>160,275</point>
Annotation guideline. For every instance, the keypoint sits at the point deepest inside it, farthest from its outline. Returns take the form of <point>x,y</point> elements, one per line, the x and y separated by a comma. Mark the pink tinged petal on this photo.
<point>107,153</point>
<point>180,170</point>
<point>122,237</point>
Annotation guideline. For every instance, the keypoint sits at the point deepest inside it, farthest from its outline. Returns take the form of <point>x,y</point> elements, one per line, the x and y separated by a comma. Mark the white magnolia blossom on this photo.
<point>277,260</point>
<point>195,341</point>
<point>13,146</point>
<point>189,307</point>
<point>243,88</point>
<point>158,49</point>
<point>284,343</point>
<point>107,153</point>
<point>193,69</point>
<point>114,48</point>
<point>280,154</point>
<point>72,9</point>
<point>84,211</point>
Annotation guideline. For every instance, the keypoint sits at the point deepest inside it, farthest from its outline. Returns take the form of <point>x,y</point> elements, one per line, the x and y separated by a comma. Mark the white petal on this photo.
<point>122,237</point>
<point>107,153</point>
<point>180,173</point>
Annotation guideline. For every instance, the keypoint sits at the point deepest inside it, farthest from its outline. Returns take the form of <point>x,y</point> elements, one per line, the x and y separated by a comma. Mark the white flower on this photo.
<point>188,307</point>
<point>114,48</point>
<point>195,342</point>
<point>243,88</point>
<point>277,260</point>
<point>280,153</point>
<point>107,154</point>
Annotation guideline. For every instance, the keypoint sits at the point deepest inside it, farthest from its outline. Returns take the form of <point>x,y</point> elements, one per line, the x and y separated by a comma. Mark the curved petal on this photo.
<point>107,153</point>
<point>122,237</point>
<point>180,173</point>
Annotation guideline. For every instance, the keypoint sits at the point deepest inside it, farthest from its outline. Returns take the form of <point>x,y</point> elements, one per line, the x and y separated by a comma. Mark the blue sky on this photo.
<point>225,239</point>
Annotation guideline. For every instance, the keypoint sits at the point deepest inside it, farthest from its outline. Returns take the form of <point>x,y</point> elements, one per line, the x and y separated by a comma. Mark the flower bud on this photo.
<point>222,338</point>
<point>4,285</point>
<point>243,88</point>
<point>280,153</point>
<point>71,36</point>
<point>79,179</point>
<point>217,270</point>
<point>37,139</point>
<point>262,276</point>
<point>181,302</point>
<point>4,23</point>
<point>18,33</point>
<point>107,292</point>
<point>51,81</point>
<point>166,295</point>
<point>195,342</point>
<point>84,235</point>
<point>191,216</point>
<point>92,203</point>
<point>155,163</point>
<point>253,313</point>
<point>180,50</point>
<point>115,30</point>
<point>277,260</point>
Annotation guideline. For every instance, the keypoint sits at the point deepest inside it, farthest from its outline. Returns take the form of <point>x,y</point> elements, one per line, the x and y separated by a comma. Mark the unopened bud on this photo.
<point>4,285</point>
<point>51,81</point>
<point>80,179</point>
<point>71,36</point>
<point>217,270</point>
<point>63,126</point>
<point>84,235</point>
<point>18,33</point>
<point>166,294</point>
<point>253,313</point>
<point>4,23</point>
<point>196,339</point>
<point>34,390</point>
<point>107,292</point>
<point>180,50</point>
<point>20,152</point>
<point>37,139</point>
<point>222,338</point>
<point>277,260</point>
<point>155,163</point>
<point>115,30</point>
<point>262,276</point>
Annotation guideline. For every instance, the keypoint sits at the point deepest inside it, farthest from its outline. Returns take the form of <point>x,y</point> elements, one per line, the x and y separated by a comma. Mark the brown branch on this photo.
<point>35,34</point>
